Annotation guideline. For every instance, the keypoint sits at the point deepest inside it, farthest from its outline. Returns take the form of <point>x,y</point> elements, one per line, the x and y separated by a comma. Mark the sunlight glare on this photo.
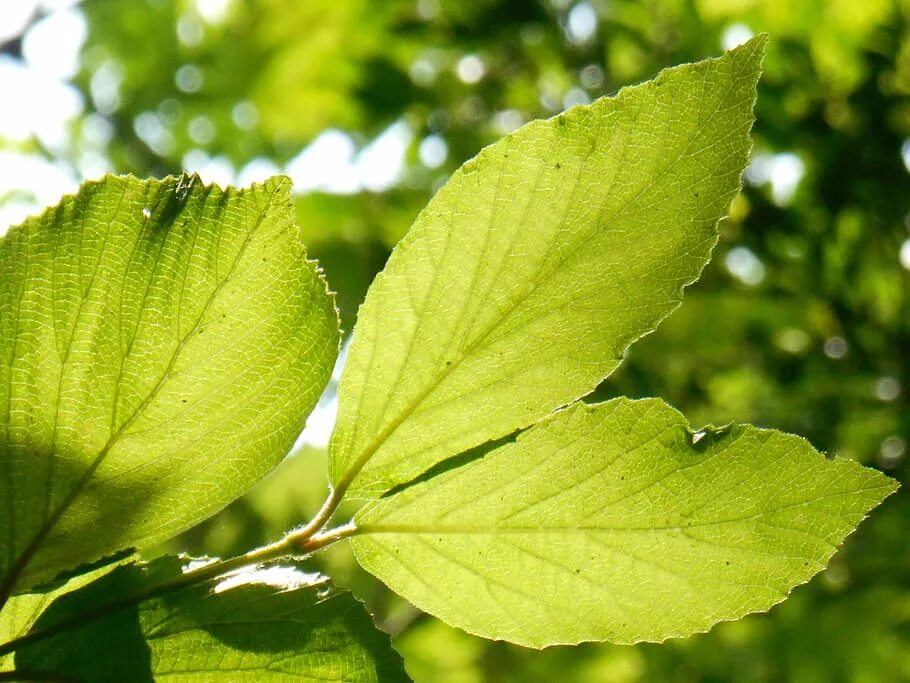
<point>280,577</point>
<point>735,35</point>
<point>52,45</point>
<point>14,17</point>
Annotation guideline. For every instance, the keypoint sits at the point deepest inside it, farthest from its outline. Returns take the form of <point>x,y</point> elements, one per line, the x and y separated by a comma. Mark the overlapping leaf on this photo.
<point>614,522</point>
<point>273,624</point>
<point>527,276</point>
<point>21,612</point>
<point>161,343</point>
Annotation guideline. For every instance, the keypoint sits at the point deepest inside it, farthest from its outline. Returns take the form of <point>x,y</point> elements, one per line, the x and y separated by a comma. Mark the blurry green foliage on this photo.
<point>265,79</point>
<point>802,320</point>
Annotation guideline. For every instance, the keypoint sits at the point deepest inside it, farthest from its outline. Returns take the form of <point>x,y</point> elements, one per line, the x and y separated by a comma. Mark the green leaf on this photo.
<point>521,284</point>
<point>615,522</point>
<point>272,624</point>
<point>161,343</point>
<point>21,611</point>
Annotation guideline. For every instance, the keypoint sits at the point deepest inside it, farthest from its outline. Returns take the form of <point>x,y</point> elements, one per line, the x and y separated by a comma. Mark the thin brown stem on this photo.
<point>315,525</point>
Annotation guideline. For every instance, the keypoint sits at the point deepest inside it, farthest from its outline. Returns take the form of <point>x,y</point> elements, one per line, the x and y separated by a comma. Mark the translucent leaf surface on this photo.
<point>275,624</point>
<point>526,277</point>
<point>161,343</point>
<point>615,522</point>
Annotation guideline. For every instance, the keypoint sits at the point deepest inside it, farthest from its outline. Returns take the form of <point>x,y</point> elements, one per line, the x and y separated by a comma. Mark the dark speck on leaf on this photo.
<point>558,165</point>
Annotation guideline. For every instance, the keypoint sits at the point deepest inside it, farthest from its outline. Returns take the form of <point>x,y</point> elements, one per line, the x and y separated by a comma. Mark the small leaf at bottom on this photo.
<point>272,624</point>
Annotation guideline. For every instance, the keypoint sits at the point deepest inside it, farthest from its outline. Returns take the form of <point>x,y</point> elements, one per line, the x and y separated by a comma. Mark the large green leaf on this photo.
<point>521,284</point>
<point>161,343</point>
<point>274,624</point>
<point>615,522</point>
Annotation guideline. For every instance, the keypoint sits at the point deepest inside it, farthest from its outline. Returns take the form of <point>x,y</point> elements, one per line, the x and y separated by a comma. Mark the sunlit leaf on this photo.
<point>521,284</point>
<point>161,343</point>
<point>616,522</point>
